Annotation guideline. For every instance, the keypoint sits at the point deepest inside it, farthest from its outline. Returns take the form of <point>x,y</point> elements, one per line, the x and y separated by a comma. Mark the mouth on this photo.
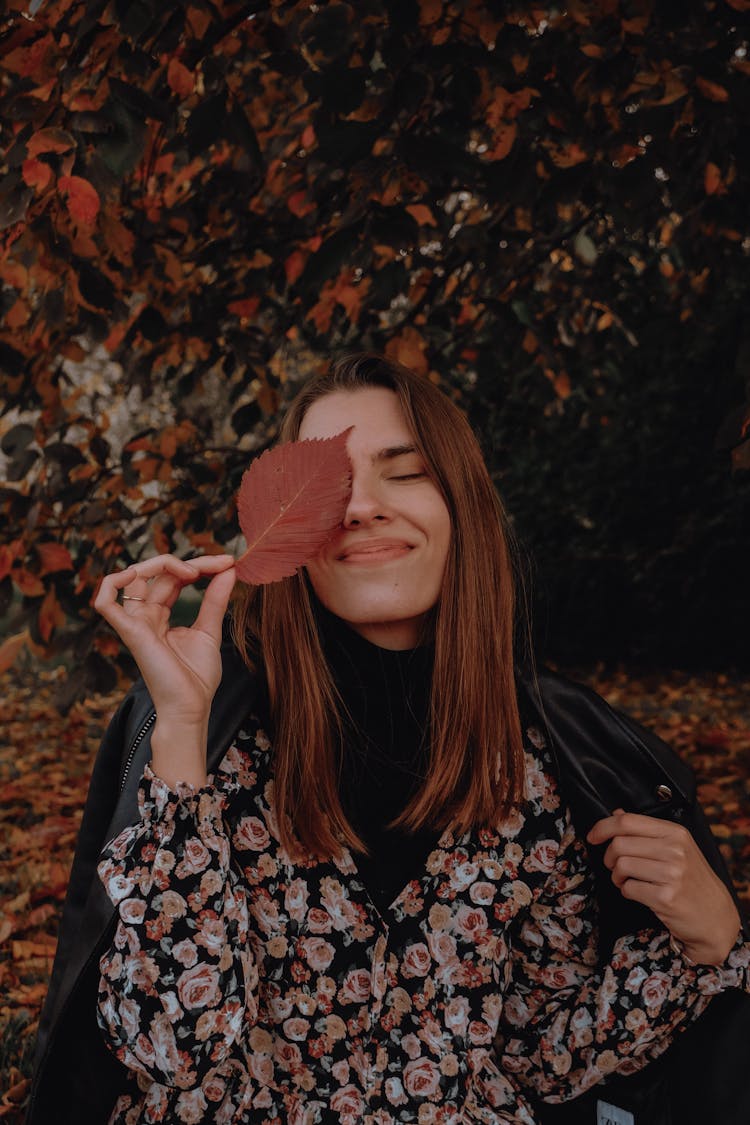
<point>381,550</point>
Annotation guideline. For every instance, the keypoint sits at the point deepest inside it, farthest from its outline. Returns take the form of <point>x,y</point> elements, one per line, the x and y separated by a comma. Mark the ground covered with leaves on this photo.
<point>46,758</point>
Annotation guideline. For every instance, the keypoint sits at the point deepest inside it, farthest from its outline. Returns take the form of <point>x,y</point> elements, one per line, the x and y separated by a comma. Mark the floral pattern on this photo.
<point>244,987</point>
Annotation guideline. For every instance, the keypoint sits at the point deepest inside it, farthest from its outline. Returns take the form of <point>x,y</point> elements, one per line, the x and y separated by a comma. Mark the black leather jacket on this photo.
<point>604,760</point>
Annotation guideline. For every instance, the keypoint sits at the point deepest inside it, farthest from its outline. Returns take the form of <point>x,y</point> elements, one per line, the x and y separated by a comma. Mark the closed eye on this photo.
<point>409,476</point>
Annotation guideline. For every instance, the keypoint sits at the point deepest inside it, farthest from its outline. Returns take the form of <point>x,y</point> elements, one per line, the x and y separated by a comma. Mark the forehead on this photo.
<point>374,412</point>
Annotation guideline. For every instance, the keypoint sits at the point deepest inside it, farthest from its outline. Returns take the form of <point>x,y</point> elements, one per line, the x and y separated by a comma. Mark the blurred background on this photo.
<point>541,207</point>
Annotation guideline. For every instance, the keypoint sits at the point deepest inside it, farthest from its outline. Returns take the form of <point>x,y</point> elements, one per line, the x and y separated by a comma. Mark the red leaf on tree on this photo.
<point>248,306</point>
<point>180,79</point>
<point>8,555</point>
<point>712,90</point>
<point>294,266</point>
<point>409,348</point>
<point>50,616</point>
<point>504,138</point>
<point>29,584</point>
<point>83,201</point>
<point>36,173</point>
<point>29,61</point>
<point>299,204</point>
<point>422,213</point>
<point>50,140</point>
<point>711,178</point>
<point>291,501</point>
<point>54,557</point>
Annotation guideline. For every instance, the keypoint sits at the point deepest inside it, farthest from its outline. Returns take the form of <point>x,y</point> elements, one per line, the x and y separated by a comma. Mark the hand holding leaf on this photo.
<point>291,501</point>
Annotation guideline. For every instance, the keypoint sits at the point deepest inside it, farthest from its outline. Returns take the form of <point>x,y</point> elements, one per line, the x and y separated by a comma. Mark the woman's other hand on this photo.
<point>659,864</point>
<point>180,666</point>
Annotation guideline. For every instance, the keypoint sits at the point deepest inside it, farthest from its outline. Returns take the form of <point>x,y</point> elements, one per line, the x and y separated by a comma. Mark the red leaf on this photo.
<point>294,266</point>
<point>53,557</point>
<point>29,584</point>
<point>29,61</point>
<point>36,173</point>
<point>247,306</point>
<point>50,616</point>
<point>409,348</point>
<point>504,138</point>
<point>422,214</point>
<point>83,201</point>
<point>712,90</point>
<point>180,79</point>
<point>711,178</point>
<point>291,501</point>
<point>50,140</point>
<point>299,204</point>
<point>8,555</point>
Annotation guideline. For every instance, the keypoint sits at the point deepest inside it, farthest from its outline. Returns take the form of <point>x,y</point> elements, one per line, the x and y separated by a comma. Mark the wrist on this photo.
<point>178,750</point>
<point>712,953</point>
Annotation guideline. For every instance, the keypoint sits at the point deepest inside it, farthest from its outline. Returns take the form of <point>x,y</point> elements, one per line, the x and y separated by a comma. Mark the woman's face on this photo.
<point>383,570</point>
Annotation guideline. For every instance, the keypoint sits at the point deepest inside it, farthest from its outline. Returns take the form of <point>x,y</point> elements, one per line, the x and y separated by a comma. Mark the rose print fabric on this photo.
<point>244,987</point>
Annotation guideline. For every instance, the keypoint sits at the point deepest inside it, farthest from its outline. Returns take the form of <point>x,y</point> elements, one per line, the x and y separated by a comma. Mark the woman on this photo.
<point>379,879</point>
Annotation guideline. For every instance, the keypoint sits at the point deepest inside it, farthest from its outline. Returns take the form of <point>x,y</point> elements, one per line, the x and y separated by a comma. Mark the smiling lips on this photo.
<point>374,551</point>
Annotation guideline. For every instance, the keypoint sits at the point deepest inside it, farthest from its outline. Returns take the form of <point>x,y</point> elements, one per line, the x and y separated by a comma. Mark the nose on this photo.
<point>366,503</point>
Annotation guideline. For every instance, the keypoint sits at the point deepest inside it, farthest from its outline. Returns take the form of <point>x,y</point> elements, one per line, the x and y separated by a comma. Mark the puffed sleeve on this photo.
<point>179,980</point>
<point>567,1021</point>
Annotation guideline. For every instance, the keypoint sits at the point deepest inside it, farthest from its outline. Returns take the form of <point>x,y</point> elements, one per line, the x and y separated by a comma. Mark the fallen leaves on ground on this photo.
<point>46,759</point>
<point>45,762</point>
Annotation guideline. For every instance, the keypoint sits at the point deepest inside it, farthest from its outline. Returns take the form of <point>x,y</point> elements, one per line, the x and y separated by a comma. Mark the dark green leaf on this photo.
<point>16,439</point>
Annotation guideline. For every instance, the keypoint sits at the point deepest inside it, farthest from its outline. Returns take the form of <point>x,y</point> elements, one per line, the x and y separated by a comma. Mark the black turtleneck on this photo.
<point>387,695</point>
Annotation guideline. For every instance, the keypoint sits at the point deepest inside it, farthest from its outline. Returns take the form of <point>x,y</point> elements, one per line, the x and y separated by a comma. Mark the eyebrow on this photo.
<point>393,451</point>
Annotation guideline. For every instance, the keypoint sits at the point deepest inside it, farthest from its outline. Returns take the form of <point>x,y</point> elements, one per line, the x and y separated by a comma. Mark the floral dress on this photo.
<point>244,987</point>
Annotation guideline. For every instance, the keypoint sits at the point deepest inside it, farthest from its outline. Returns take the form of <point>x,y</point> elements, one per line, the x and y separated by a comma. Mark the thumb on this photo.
<point>214,605</point>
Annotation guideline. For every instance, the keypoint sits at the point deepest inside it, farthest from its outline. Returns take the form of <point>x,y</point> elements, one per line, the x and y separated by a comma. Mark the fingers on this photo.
<point>661,898</point>
<point>204,564</point>
<point>133,581</point>
<point>165,588</point>
<point>658,864</point>
<point>631,824</point>
<point>646,869</point>
<point>669,849</point>
<point>157,581</point>
<point>661,858</point>
<point>214,605</point>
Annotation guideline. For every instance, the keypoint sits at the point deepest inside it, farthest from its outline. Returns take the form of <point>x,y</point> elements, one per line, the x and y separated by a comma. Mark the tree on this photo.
<point>542,208</point>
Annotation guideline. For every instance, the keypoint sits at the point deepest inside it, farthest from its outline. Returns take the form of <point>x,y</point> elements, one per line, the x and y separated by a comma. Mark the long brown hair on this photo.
<point>475,774</point>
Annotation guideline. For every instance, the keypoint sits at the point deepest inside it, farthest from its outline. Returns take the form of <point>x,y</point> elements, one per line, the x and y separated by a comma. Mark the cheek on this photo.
<point>333,593</point>
<point>316,572</point>
<point>442,532</point>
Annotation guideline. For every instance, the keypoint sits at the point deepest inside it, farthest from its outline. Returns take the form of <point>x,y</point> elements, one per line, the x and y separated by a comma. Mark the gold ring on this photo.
<point>132,598</point>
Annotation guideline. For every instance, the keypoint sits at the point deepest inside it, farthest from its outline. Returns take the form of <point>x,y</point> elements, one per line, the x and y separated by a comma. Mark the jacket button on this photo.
<point>664,793</point>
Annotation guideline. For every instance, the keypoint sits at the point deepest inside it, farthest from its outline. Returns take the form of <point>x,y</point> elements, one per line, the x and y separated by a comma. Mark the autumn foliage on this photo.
<point>543,207</point>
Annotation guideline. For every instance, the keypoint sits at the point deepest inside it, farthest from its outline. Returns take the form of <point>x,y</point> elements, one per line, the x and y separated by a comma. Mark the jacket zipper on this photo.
<point>138,740</point>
